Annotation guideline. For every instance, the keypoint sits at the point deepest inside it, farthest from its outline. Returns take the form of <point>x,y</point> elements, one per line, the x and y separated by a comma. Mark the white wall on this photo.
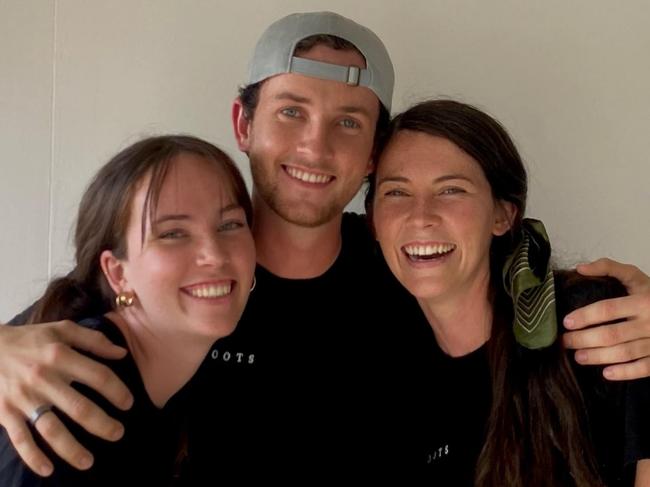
<point>80,79</point>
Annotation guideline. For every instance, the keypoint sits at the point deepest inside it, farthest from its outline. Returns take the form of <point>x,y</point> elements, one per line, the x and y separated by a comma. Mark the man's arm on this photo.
<point>37,365</point>
<point>626,344</point>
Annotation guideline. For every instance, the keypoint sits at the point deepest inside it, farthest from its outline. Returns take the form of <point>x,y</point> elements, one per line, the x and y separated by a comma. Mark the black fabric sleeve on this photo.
<point>637,421</point>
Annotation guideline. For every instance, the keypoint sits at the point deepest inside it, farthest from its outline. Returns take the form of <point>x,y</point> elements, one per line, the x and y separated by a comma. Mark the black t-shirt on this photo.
<point>301,381</point>
<point>447,428</point>
<point>147,454</point>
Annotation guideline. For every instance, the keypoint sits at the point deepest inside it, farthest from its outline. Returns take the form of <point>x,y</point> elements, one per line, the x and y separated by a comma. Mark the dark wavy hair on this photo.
<point>104,215</point>
<point>535,434</point>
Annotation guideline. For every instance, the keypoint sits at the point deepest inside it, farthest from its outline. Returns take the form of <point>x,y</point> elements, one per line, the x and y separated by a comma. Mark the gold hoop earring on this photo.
<point>254,283</point>
<point>125,299</point>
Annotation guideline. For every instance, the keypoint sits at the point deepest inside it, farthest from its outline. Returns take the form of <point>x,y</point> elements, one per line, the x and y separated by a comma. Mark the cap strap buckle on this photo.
<point>350,75</point>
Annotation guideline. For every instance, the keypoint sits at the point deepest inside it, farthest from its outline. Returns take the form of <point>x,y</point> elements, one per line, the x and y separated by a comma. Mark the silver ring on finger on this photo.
<point>38,412</point>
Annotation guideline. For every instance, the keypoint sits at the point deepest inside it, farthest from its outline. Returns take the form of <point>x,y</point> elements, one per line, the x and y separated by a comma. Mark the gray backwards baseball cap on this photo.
<point>274,53</point>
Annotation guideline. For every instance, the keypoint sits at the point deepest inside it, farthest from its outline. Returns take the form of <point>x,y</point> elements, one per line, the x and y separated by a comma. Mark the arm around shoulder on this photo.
<point>619,333</point>
<point>37,365</point>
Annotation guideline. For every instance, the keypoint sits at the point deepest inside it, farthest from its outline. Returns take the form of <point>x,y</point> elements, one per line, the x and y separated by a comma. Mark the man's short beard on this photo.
<point>312,218</point>
<point>304,219</point>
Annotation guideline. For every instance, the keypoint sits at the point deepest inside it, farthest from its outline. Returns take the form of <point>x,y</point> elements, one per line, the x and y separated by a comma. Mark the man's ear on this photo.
<point>241,125</point>
<point>113,269</point>
<point>506,213</point>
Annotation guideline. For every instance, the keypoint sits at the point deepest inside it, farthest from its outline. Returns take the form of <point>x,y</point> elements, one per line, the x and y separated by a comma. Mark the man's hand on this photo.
<point>626,344</point>
<point>37,365</point>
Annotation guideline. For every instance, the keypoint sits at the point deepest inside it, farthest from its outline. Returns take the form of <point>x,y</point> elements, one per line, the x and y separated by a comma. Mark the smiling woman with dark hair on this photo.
<point>447,201</point>
<point>165,256</point>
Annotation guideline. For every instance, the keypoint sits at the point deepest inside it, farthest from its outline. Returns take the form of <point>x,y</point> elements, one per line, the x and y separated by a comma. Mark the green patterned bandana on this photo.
<point>528,279</point>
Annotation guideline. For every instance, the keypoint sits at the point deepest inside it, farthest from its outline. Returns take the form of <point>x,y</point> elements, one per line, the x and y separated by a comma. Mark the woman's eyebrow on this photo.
<point>392,179</point>
<point>165,218</point>
<point>448,177</point>
<point>231,207</point>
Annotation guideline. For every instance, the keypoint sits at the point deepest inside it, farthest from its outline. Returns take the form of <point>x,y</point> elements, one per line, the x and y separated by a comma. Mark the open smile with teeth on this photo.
<point>421,252</point>
<point>307,176</point>
<point>210,291</point>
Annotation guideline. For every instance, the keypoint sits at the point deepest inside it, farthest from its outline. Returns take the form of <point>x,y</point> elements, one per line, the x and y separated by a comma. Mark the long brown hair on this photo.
<point>104,215</point>
<point>535,432</point>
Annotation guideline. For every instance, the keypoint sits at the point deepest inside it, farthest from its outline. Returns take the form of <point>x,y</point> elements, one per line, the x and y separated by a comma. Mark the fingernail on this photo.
<point>569,322</point>
<point>85,462</point>
<point>127,402</point>
<point>45,470</point>
<point>581,356</point>
<point>609,374</point>
<point>117,433</point>
<point>120,352</point>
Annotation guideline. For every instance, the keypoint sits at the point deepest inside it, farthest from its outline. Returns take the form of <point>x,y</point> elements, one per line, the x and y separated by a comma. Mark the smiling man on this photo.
<point>305,381</point>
